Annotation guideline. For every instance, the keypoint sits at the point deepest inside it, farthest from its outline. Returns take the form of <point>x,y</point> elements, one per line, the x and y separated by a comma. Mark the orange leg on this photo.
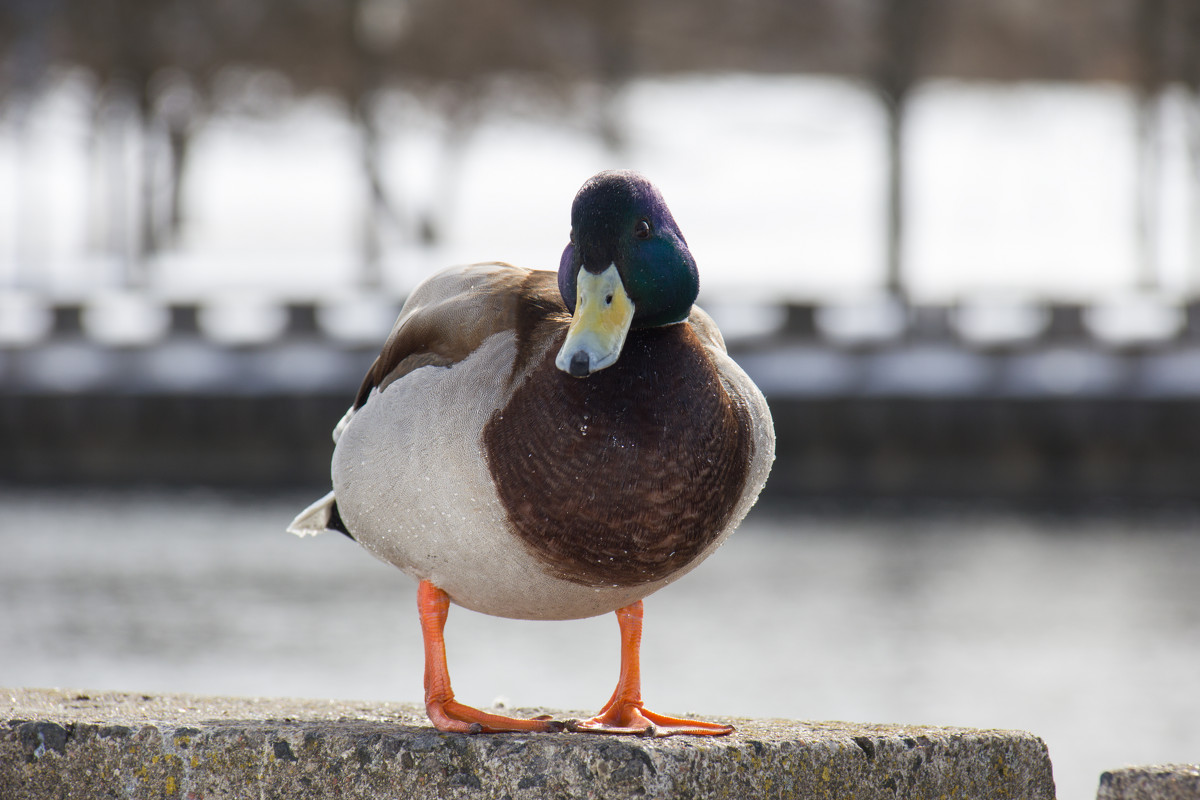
<point>444,711</point>
<point>624,712</point>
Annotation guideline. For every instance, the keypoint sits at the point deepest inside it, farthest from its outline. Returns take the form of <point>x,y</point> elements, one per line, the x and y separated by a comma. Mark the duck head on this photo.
<point>627,266</point>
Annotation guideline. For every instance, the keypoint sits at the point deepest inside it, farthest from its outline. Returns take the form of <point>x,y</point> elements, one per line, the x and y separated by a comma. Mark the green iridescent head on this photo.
<point>627,258</point>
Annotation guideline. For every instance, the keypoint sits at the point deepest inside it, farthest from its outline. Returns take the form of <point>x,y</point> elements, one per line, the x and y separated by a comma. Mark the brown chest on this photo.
<point>625,476</point>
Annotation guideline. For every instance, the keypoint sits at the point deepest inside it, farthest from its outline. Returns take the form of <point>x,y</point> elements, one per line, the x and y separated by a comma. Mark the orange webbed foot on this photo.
<point>452,716</point>
<point>624,712</point>
<point>633,719</point>
<point>446,713</point>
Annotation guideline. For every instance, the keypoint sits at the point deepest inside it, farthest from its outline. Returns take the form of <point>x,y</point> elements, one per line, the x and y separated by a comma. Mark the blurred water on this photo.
<point>1085,632</point>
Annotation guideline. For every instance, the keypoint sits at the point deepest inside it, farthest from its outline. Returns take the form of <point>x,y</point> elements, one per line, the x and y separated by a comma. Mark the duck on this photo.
<point>553,446</point>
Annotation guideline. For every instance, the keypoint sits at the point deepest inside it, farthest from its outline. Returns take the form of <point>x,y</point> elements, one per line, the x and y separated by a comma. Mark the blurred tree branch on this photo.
<point>170,63</point>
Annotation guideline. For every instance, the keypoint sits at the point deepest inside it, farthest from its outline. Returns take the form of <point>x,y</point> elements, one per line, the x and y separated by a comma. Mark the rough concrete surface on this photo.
<point>72,744</point>
<point>1158,782</point>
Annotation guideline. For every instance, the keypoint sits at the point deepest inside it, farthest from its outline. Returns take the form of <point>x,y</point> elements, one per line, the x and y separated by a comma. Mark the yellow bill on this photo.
<point>603,313</point>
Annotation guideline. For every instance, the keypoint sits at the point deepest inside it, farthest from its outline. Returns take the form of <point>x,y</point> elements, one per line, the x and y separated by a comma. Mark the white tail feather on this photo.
<point>314,519</point>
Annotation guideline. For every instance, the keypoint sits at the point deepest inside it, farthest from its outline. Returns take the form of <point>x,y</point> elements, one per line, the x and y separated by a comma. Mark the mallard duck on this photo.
<point>550,447</point>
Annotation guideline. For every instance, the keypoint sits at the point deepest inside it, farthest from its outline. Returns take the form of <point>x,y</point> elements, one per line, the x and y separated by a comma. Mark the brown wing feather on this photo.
<point>452,313</point>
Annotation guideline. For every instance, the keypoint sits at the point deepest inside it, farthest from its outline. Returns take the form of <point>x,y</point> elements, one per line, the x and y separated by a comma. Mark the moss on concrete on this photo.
<point>1159,782</point>
<point>86,745</point>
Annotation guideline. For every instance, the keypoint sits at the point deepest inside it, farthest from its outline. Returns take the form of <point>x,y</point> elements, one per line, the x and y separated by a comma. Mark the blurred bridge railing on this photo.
<point>1017,402</point>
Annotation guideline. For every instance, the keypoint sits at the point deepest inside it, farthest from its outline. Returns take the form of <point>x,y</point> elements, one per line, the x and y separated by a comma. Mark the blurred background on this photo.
<point>956,243</point>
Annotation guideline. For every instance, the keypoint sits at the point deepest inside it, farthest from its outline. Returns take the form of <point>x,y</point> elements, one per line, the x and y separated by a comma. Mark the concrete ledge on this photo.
<point>1161,782</point>
<point>57,744</point>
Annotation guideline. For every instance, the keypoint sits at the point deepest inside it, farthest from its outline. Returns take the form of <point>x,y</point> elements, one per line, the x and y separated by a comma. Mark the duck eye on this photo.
<point>642,229</point>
